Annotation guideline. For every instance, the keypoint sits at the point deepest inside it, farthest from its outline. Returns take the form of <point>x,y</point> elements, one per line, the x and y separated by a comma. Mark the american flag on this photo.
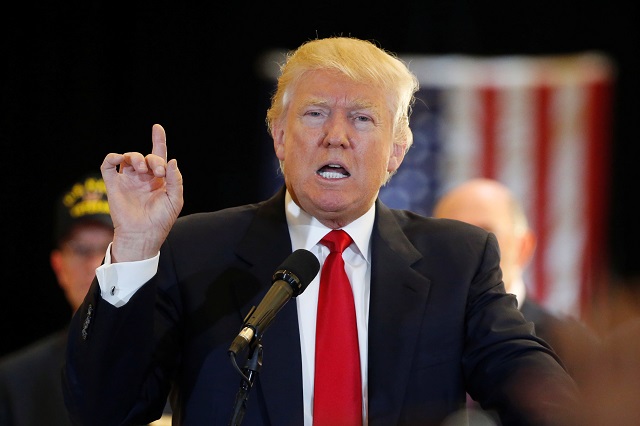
<point>540,125</point>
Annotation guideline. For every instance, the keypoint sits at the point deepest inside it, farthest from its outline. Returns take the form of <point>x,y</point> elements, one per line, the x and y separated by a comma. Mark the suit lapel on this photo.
<point>265,246</point>
<point>396,309</point>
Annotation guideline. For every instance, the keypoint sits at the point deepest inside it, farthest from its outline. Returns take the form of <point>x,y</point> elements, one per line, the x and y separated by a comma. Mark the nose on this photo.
<point>337,132</point>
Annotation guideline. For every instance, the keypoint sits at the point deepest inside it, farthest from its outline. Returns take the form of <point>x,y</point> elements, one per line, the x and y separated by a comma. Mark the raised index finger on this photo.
<point>159,139</point>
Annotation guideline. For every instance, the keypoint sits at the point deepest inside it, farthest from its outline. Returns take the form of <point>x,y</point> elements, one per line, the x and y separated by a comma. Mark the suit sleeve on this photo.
<point>508,368</point>
<point>112,374</point>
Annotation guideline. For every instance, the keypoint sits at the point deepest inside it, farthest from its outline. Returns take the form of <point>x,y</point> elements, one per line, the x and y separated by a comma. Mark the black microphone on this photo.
<point>290,279</point>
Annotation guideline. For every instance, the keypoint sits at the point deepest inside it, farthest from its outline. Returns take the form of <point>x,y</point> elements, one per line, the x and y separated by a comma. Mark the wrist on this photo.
<point>131,248</point>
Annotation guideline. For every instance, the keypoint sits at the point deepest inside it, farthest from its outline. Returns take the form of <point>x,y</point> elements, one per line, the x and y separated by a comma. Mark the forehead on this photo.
<point>332,88</point>
<point>89,229</point>
<point>485,213</point>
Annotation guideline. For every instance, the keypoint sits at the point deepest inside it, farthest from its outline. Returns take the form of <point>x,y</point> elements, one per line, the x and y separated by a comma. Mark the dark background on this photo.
<point>83,79</point>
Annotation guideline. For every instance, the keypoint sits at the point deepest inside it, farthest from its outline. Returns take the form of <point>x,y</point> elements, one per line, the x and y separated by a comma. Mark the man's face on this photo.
<point>487,208</point>
<point>75,262</point>
<point>336,144</point>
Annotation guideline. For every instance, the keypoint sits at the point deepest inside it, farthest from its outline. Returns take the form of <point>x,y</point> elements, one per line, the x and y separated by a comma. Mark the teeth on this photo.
<point>331,175</point>
<point>339,172</point>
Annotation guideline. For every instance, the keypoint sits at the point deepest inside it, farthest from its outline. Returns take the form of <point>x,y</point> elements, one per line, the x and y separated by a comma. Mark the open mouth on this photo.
<point>333,171</point>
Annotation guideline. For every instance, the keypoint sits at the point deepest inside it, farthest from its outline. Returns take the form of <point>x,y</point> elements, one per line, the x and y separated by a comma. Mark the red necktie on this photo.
<point>337,398</point>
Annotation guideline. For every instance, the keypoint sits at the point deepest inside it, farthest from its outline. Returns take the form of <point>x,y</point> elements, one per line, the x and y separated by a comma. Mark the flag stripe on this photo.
<point>598,121</point>
<point>489,133</point>
<point>541,141</point>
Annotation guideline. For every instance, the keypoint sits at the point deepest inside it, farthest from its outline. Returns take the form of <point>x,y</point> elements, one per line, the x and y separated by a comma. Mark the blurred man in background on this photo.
<point>30,378</point>
<point>30,381</point>
<point>492,206</point>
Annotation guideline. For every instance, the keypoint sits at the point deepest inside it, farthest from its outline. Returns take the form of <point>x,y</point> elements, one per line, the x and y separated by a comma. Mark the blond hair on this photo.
<point>360,60</point>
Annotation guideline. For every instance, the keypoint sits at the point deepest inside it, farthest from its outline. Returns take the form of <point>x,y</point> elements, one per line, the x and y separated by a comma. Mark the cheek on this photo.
<point>382,162</point>
<point>375,173</point>
<point>288,146</point>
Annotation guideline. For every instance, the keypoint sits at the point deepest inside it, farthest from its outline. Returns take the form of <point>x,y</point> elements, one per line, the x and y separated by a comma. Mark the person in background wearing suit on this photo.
<point>30,388</point>
<point>432,316</point>
<point>491,205</point>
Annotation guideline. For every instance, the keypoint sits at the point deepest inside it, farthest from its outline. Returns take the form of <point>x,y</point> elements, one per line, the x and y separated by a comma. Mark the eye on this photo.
<point>313,117</point>
<point>363,122</point>
<point>83,250</point>
<point>362,118</point>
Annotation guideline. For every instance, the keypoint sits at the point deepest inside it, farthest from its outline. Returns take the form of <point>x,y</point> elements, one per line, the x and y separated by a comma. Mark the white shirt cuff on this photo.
<point>119,281</point>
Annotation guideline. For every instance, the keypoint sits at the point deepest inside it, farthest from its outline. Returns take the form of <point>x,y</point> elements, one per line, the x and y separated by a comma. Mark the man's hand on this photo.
<point>145,196</point>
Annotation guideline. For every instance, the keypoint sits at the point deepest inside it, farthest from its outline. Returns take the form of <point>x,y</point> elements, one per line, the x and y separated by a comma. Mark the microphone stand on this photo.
<point>249,373</point>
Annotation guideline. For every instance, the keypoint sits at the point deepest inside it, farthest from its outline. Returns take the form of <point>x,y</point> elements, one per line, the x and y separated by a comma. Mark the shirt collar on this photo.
<point>306,231</point>
<point>519,289</point>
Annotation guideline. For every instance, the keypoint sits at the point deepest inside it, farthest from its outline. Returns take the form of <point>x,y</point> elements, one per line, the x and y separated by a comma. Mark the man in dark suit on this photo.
<point>432,316</point>
<point>491,205</point>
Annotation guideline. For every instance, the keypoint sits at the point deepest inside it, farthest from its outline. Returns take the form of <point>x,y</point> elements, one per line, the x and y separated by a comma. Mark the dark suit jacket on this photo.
<point>440,323</point>
<point>575,344</point>
<point>544,320</point>
<point>30,388</point>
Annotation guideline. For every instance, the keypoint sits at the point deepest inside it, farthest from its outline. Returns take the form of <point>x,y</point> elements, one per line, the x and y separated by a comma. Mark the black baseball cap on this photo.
<point>84,202</point>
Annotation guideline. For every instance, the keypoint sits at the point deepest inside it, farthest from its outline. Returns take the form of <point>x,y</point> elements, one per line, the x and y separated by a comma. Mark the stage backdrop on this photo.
<point>541,125</point>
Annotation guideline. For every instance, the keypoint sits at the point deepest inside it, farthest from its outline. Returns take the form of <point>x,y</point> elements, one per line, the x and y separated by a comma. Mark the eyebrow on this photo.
<point>357,104</point>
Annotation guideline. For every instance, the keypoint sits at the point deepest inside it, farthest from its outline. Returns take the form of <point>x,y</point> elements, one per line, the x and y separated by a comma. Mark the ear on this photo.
<point>278,141</point>
<point>56,261</point>
<point>527,246</point>
<point>397,155</point>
